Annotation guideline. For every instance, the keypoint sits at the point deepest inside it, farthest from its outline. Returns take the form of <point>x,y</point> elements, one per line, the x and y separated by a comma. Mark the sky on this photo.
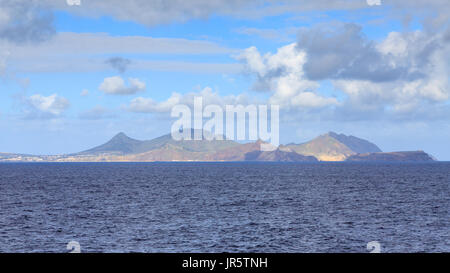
<point>73,73</point>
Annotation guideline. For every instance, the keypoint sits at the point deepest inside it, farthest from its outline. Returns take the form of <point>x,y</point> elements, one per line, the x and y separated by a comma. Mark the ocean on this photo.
<point>224,207</point>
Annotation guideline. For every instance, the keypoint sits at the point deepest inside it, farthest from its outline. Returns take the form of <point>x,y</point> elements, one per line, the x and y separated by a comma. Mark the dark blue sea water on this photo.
<point>224,207</point>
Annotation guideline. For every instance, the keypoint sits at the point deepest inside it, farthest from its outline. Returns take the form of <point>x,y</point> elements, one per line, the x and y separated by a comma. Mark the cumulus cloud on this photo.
<point>118,63</point>
<point>116,86</point>
<point>39,106</point>
<point>149,105</point>
<point>396,75</point>
<point>420,53</point>
<point>342,52</point>
<point>282,75</point>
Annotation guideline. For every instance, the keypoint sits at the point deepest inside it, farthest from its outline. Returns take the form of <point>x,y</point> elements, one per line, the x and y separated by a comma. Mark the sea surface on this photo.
<point>224,207</point>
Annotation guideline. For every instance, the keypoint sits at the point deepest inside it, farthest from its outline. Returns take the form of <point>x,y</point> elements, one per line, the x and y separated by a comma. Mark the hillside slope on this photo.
<point>415,156</point>
<point>121,144</point>
<point>334,147</point>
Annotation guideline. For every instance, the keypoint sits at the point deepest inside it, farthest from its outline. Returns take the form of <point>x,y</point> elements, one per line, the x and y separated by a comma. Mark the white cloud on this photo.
<point>282,74</point>
<point>50,106</point>
<point>254,61</point>
<point>396,44</point>
<point>424,54</point>
<point>148,105</point>
<point>420,60</point>
<point>116,86</point>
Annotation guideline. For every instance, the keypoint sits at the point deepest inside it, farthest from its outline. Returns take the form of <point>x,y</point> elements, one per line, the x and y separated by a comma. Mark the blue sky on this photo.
<point>71,77</point>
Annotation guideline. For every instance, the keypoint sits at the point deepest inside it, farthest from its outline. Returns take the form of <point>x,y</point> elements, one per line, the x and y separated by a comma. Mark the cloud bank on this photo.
<point>407,72</point>
<point>148,105</point>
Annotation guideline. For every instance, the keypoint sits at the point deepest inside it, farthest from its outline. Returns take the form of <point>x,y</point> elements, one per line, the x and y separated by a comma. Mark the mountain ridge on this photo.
<point>327,147</point>
<point>334,147</point>
<point>122,144</point>
<point>406,156</point>
<point>356,144</point>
